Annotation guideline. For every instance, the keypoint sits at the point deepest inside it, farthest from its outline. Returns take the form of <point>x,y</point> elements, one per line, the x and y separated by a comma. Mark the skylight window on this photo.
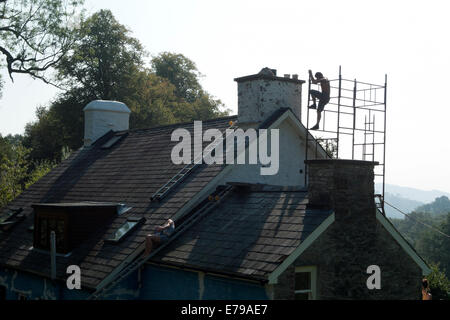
<point>11,218</point>
<point>111,142</point>
<point>122,208</point>
<point>125,229</point>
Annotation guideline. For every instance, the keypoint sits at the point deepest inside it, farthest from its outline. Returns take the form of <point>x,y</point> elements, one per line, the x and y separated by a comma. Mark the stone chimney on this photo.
<point>260,95</point>
<point>101,116</point>
<point>345,186</point>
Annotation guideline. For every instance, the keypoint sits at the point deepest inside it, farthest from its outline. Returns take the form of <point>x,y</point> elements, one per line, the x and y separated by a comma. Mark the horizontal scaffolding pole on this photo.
<point>357,129</point>
<point>364,144</point>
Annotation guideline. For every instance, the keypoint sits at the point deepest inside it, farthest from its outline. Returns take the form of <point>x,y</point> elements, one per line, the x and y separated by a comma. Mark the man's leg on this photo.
<point>314,95</point>
<point>319,114</point>
<point>151,241</point>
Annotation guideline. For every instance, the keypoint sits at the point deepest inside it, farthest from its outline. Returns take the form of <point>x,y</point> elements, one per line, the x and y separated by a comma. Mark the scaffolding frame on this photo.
<point>353,104</point>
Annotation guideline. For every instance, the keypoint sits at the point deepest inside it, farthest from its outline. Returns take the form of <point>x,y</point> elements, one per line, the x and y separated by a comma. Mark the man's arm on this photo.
<point>165,226</point>
<point>313,80</point>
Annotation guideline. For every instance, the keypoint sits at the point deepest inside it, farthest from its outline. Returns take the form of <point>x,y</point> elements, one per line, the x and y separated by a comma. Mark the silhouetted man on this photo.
<point>324,96</point>
<point>162,235</point>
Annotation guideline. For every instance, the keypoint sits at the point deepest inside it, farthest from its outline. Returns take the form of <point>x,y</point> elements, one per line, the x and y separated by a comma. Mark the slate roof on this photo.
<point>129,172</point>
<point>249,234</point>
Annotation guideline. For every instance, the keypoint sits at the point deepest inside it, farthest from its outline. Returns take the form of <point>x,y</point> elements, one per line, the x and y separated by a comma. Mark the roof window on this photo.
<point>113,140</point>
<point>125,229</point>
<point>11,218</point>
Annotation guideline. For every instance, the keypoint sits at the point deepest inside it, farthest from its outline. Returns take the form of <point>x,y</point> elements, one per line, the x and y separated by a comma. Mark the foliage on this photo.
<point>13,173</point>
<point>432,245</point>
<point>436,246</point>
<point>329,145</point>
<point>181,72</point>
<point>104,59</point>
<point>411,228</point>
<point>107,63</point>
<point>440,206</point>
<point>17,172</point>
<point>36,34</point>
<point>439,284</point>
<point>184,75</point>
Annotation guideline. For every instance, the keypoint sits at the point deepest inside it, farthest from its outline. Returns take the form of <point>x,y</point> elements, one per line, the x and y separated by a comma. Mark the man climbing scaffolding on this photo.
<point>324,96</point>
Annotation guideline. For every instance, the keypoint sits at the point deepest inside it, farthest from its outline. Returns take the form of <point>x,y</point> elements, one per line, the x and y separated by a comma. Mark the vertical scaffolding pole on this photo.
<point>373,139</point>
<point>384,142</point>
<point>354,121</point>
<point>307,131</point>
<point>339,112</point>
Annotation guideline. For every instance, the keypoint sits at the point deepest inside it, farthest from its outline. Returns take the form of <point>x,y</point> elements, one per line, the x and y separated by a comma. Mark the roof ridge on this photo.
<point>168,126</point>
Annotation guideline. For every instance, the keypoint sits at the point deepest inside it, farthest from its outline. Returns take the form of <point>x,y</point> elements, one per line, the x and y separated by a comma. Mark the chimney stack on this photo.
<point>260,95</point>
<point>101,116</point>
<point>345,186</point>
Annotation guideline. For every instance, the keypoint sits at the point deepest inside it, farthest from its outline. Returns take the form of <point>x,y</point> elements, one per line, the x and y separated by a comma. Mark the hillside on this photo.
<point>440,206</point>
<point>404,204</point>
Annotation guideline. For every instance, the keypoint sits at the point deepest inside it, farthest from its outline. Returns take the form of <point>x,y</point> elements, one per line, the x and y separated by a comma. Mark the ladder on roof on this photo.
<point>187,169</point>
<point>211,203</point>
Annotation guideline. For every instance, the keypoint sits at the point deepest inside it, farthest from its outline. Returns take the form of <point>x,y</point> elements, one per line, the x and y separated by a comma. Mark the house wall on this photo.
<point>291,162</point>
<point>153,283</point>
<point>355,241</point>
<point>36,288</point>
<point>162,283</point>
<point>342,265</point>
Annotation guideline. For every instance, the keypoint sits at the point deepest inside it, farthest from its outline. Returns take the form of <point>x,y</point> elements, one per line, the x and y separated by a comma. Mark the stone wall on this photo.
<point>355,241</point>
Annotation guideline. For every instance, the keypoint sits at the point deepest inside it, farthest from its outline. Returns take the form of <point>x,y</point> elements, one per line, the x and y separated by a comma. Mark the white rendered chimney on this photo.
<point>260,95</point>
<point>101,116</point>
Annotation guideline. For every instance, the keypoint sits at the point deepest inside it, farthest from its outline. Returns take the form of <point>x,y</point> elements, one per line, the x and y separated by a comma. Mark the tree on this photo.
<point>17,173</point>
<point>104,59</point>
<point>181,72</point>
<point>107,63</point>
<point>35,34</point>
<point>184,75</point>
<point>435,247</point>
<point>439,284</point>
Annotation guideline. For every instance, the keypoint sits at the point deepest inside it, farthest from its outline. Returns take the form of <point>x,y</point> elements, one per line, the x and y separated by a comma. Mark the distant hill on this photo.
<point>424,196</point>
<point>410,199</point>
<point>440,206</point>
<point>404,204</point>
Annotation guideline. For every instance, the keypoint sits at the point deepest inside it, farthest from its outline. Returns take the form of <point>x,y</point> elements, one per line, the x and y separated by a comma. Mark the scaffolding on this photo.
<point>353,125</point>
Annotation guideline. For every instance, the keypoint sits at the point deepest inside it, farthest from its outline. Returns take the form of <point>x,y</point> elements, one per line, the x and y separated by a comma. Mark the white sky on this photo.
<point>408,40</point>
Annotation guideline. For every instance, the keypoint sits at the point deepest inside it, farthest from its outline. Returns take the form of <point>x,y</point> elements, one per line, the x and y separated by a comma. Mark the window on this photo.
<point>125,229</point>
<point>111,142</point>
<point>305,283</point>
<point>47,224</point>
<point>22,297</point>
<point>11,218</point>
<point>72,223</point>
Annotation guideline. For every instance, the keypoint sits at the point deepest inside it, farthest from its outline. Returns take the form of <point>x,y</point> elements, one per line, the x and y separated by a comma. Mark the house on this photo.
<point>261,236</point>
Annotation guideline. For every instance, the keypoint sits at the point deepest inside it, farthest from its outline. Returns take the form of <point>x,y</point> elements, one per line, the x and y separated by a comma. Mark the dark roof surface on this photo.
<point>129,172</point>
<point>249,234</point>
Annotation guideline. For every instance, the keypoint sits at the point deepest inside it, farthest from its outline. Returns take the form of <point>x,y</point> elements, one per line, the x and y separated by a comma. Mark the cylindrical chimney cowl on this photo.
<point>101,116</point>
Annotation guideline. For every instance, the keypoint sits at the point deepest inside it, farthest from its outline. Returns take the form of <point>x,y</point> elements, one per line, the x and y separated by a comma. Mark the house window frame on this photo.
<point>312,270</point>
<point>37,231</point>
